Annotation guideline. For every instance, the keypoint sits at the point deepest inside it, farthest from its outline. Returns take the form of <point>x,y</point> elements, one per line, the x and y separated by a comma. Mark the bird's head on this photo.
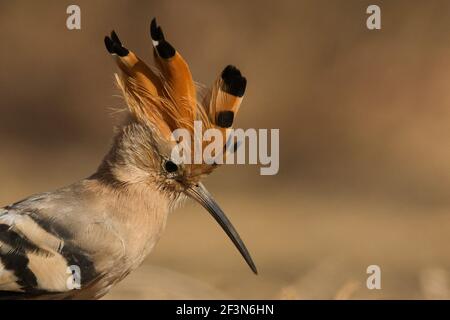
<point>164,106</point>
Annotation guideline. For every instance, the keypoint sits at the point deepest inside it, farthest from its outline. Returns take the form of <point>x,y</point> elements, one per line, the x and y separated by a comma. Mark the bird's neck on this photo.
<point>137,210</point>
<point>141,213</point>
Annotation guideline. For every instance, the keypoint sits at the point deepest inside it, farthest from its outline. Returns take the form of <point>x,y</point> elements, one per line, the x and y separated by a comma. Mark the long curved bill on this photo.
<point>202,196</point>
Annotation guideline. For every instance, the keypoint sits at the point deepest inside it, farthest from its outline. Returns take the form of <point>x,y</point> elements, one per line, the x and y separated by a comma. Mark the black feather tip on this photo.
<point>225,119</point>
<point>164,48</point>
<point>114,46</point>
<point>233,81</point>
<point>155,31</point>
<point>115,38</point>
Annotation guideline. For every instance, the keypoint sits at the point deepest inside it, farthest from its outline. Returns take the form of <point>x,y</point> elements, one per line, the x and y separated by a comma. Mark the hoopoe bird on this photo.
<point>105,225</point>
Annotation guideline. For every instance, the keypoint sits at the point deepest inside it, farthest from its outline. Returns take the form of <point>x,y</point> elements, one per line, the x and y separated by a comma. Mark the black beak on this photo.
<point>202,196</point>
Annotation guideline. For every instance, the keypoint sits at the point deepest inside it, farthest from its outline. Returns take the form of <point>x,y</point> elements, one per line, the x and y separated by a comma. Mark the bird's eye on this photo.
<point>170,166</point>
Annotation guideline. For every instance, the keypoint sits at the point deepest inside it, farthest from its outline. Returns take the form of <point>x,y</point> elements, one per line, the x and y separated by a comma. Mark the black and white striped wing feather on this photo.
<point>38,258</point>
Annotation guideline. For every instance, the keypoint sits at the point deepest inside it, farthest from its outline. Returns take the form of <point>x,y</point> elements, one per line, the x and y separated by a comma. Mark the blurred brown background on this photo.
<point>363,117</point>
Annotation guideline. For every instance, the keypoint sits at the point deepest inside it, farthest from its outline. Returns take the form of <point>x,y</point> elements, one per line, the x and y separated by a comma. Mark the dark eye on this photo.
<point>170,166</point>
